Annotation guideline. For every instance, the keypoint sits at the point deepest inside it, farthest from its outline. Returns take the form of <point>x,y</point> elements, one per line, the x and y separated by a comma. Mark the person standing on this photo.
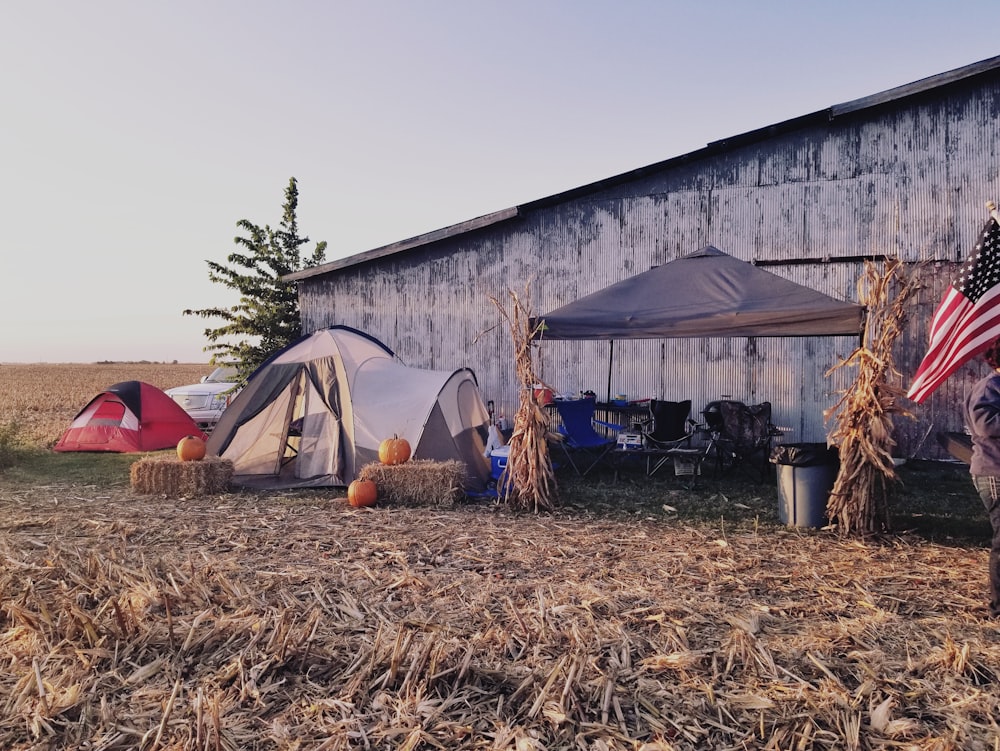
<point>982,412</point>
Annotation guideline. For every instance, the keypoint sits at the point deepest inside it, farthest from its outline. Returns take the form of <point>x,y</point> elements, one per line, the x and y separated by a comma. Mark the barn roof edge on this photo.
<point>825,115</point>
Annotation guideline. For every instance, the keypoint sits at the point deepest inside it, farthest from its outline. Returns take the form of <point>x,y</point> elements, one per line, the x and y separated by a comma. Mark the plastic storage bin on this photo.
<point>806,474</point>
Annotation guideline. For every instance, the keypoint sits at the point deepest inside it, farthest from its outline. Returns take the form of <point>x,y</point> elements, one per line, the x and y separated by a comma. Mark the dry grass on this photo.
<point>292,621</point>
<point>43,399</point>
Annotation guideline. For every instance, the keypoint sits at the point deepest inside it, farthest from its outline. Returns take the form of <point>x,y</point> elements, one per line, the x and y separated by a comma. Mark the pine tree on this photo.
<point>266,318</point>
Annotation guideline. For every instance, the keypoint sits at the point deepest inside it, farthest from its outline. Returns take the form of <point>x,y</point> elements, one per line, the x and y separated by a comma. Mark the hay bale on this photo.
<point>419,482</point>
<point>174,478</point>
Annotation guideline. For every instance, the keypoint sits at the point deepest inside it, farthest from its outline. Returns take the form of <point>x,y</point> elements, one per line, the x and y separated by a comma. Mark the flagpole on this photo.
<point>992,208</point>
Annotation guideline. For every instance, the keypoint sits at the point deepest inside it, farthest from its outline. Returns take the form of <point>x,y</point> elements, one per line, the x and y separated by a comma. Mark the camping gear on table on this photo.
<point>543,394</point>
<point>316,411</point>
<point>630,441</point>
<point>126,417</point>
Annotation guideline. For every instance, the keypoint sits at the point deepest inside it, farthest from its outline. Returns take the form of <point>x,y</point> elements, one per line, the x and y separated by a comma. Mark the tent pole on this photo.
<point>611,357</point>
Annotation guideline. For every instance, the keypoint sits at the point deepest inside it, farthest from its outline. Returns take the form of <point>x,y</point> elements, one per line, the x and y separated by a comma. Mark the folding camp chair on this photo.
<point>668,430</point>
<point>292,441</point>
<point>584,447</point>
<point>740,436</point>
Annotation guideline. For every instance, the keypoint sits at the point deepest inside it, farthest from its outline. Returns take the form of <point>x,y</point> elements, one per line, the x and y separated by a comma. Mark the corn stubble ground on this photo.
<point>640,615</point>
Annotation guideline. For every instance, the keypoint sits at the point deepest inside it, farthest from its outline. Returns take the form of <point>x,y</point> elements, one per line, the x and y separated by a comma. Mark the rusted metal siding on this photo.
<point>906,179</point>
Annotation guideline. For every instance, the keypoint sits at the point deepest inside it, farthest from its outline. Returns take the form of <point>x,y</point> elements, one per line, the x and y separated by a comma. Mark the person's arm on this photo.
<point>984,413</point>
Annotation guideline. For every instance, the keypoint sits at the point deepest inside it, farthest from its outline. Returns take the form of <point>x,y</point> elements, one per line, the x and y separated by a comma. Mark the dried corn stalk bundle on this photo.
<point>858,503</point>
<point>529,482</point>
<point>174,478</point>
<point>420,482</point>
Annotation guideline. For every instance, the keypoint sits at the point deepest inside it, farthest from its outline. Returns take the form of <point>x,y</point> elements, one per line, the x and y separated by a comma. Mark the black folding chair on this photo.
<point>668,428</point>
<point>740,436</point>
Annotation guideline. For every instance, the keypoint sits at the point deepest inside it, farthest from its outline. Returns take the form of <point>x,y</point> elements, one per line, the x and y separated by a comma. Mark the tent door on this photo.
<point>313,443</point>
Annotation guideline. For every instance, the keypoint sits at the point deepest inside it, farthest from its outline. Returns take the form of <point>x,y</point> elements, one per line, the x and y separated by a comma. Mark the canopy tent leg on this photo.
<point>611,359</point>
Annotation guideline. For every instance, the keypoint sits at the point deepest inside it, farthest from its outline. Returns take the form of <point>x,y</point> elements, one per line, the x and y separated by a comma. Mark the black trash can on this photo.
<point>806,473</point>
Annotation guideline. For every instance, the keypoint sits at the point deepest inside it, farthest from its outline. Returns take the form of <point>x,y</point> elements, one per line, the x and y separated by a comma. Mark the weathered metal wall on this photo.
<point>907,179</point>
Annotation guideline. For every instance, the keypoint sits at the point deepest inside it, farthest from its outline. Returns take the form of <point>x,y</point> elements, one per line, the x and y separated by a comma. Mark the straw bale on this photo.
<point>418,482</point>
<point>174,478</point>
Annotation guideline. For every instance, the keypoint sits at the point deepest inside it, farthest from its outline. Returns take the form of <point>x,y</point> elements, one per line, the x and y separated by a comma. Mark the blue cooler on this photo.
<point>498,461</point>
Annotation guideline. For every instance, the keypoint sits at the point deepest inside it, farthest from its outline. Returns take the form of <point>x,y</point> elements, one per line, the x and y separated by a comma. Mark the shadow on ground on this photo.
<point>933,500</point>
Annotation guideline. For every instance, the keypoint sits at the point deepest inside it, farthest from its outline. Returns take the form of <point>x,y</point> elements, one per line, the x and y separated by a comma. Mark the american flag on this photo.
<point>968,318</point>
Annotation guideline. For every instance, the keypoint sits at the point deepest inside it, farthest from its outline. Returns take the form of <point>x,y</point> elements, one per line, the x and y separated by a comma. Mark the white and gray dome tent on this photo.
<point>316,411</point>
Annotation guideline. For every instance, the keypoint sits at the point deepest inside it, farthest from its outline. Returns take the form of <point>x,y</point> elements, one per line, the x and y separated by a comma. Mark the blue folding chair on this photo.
<point>583,445</point>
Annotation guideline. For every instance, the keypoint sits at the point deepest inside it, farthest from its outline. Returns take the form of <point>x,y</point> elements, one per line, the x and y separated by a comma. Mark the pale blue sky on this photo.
<point>136,134</point>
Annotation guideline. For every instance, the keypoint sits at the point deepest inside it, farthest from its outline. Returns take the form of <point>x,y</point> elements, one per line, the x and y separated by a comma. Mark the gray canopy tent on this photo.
<point>705,294</point>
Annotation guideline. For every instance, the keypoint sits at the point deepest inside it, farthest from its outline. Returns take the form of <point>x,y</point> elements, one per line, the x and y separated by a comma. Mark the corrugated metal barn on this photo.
<point>905,173</point>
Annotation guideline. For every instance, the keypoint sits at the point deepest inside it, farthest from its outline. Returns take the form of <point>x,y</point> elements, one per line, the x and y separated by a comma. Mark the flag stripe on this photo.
<point>966,350</point>
<point>974,339</point>
<point>967,320</point>
<point>953,306</point>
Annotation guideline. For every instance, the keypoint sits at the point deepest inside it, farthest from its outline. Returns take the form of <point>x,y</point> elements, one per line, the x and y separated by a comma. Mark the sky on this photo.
<point>135,134</point>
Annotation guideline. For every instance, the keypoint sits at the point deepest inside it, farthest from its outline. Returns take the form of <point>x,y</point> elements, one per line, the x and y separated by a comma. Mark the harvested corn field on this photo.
<point>637,615</point>
<point>292,621</point>
<point>42,399</point>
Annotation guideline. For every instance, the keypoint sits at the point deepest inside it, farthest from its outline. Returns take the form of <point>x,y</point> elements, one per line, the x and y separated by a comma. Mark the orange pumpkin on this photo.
<point>191,448</point>
<point>362,493</point>
<point>394,450</point>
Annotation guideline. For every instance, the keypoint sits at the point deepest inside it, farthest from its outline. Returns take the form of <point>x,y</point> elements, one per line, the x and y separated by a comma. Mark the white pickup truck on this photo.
<point>207,400</point>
